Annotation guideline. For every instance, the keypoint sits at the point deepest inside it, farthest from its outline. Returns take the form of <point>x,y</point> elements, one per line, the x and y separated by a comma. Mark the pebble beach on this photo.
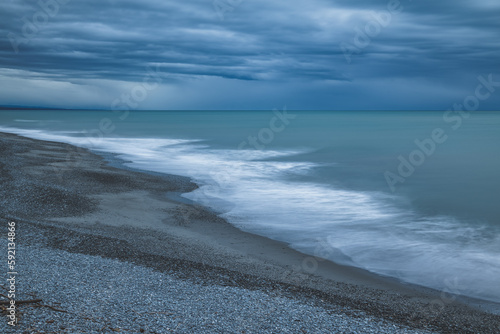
<point>107,251</point>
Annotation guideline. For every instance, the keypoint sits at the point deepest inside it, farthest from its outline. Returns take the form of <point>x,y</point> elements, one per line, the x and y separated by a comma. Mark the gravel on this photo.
<point>108,296</point>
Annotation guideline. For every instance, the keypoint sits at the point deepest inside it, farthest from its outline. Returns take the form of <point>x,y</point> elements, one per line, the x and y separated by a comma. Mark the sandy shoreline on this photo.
<point>82,205</point>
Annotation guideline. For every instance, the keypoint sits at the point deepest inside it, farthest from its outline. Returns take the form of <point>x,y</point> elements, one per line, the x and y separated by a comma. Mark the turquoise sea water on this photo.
<point>327,183</point>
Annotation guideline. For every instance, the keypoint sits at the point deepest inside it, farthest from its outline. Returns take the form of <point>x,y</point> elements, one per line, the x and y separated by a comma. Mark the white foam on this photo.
<point>26,120</point>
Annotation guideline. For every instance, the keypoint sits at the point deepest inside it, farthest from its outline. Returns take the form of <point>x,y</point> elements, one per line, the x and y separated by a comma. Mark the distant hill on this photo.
<point>27,108</point>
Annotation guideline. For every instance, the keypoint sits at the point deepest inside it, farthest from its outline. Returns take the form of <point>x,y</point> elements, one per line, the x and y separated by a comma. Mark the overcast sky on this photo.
<point>248,54</point>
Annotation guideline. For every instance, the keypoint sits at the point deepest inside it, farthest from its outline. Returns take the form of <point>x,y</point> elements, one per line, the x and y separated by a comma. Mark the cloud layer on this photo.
<point>239,54</point>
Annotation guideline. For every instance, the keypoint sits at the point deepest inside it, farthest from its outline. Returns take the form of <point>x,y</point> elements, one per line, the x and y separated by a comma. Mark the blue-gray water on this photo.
<point>317,180</point>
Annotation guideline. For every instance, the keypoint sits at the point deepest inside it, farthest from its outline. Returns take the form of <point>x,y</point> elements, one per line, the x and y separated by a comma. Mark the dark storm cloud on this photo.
<point>117,39</point>
<point>436,49</point>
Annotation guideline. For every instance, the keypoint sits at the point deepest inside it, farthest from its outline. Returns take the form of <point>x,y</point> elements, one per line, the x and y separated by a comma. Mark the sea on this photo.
<point>409,195</point>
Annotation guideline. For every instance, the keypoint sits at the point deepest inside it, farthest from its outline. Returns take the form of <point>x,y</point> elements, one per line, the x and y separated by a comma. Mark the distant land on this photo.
<point>27,108</point>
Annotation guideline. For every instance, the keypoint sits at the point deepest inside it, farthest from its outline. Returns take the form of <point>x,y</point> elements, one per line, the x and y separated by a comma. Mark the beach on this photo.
<point>117,250</point>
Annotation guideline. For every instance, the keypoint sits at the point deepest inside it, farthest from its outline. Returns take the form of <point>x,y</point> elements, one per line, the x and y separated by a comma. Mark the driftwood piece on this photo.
<point>32,301</point>
<point>52,308</point>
